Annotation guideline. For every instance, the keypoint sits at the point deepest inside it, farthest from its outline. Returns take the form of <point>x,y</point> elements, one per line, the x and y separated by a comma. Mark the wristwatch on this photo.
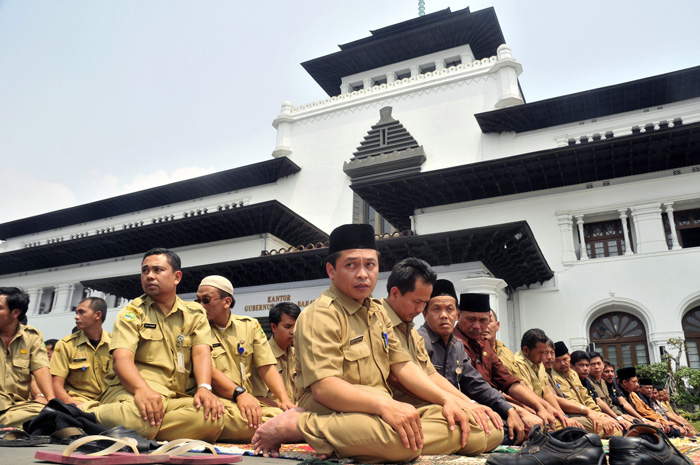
<point>205,386</point>
<point>619,418</point>
<point>237,392</point>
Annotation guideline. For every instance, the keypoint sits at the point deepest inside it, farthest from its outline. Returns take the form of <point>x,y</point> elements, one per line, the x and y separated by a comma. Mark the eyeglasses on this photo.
<point>206,300</point>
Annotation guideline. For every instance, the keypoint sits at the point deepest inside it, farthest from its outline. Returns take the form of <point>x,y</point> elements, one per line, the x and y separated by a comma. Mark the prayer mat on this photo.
<point>689,447</point>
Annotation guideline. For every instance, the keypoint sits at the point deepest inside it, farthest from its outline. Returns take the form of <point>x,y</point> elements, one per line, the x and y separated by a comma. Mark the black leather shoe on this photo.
<point>570,446</point>
<point>645,445</point>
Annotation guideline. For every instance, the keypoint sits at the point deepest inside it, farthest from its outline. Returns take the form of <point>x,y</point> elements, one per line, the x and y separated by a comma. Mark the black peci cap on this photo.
<point>352,236</point>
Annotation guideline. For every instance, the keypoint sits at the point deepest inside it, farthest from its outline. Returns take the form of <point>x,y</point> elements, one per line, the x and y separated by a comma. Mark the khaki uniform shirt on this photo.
<point>240,349</point>
<point>506,356</point>
<point>601,388</point>
<point>533,375</point>
<point>83,366</point>
<point>25,354</point>
<point>570,385</point>
<point>336,336</point>
<point>162,344</point>
<point>285,367</point>
<point>412,342</point>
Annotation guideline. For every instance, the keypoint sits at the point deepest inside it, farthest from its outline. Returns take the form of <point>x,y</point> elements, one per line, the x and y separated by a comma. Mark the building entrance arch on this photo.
<point>621,338</point>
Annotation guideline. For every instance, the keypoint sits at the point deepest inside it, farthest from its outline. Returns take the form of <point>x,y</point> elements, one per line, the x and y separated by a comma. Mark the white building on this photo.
<point>579,214</point>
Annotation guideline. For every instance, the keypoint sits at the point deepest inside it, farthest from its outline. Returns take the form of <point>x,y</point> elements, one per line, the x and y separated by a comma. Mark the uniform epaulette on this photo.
<point>71,336</point>
<point>245,318</point>
<point>194,306</point>
<point>324,301</point>
<point>134,305</point>
<point>31,329</point>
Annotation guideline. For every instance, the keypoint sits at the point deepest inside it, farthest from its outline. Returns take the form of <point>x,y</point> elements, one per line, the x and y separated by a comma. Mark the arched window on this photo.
<point>691,328</point>
<point>621,338</point>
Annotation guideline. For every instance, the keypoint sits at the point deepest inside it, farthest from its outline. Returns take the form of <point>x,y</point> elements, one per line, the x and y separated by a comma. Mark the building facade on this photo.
<point>579,214</point>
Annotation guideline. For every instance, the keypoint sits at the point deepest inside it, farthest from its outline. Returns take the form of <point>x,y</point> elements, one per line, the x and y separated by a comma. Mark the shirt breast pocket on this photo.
<point>356,361</point>
<point>220,360</point>
<point>78,370</point>
<point>21,369</point>
<point>151,348</point>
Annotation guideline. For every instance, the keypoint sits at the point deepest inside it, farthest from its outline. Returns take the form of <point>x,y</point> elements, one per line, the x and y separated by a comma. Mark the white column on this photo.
<point>367,83</point>
<point>651,236</point>
<point>466,58</point>
<point>566,228</point>
<point>70,298</point>
<point>507,71</point>
<point>283,124</point>
<point>672,224</point>
<point>628,243</point>
<point>415,70</point>
<point>344,88</point>
<point>582,239</point>
<point>34,300</point>
<point>61,300</point>
<point>439,64</point>
<point>390,77</point>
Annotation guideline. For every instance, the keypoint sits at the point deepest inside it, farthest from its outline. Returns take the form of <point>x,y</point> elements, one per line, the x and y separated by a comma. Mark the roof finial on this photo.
<point>421,7</point>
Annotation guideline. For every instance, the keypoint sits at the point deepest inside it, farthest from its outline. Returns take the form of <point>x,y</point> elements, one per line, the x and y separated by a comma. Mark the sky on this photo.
<point>100,98</point>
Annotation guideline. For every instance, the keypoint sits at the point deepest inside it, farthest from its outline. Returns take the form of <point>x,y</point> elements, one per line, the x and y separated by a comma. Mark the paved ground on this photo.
<point>25,456</point>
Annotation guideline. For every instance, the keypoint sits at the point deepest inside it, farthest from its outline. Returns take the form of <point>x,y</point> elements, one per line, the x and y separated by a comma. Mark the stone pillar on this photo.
<point>578,343</point>
<point>628,242</point>
<point>35,295</point>
<point>651,236</point>
<point>582,239</point>
<point>507,71</point>
<point>283,124</point>
<point>672,224</point>
<point>466,57</point>
<point>566,228</point>
<point>62,298</point>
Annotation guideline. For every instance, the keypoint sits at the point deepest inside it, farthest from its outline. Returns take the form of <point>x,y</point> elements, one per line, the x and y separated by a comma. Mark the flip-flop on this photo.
<point>11,436</point>
<point>176,448</point>
<point>107,456</point>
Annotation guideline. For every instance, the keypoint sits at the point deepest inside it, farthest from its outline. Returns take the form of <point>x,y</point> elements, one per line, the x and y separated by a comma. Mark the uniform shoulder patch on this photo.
<point>31,329</point>
<point>129,315</point>
<point>70,336</point>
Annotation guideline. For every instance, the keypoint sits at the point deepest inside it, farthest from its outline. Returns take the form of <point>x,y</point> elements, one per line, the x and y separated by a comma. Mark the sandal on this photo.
<point>176,448</point>
<point>11,436</point>
<point>107,456</point>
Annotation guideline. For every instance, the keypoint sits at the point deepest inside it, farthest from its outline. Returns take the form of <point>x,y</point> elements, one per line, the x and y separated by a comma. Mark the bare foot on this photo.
<point>281,429</point>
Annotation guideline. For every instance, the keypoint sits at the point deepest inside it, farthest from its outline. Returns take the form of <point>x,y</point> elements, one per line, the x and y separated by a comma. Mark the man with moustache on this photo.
<point>575,401</point>
<point>158,340</point>
<point>239,350</point>
<point>409,288</point>
<point>82,360</point>
<point>453,363</point>
<point>347,350</point>
<point>529,367</point>
<point>474,310</point>
<point>603,399</point>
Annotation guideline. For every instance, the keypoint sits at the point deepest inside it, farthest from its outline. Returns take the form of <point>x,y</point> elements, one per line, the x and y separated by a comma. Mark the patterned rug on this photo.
<point>299,452</point>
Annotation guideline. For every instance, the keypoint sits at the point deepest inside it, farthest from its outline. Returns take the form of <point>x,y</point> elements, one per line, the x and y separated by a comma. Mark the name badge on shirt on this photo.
<point>356,340</point>
<point>216,344</point>
<point>80,360</point>
<point>180,362</point>
<point>150,325</point>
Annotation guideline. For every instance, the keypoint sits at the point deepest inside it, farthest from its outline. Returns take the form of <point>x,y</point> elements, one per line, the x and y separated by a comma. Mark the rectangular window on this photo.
<point>687,223</point>
<point>359,85</point>
<point>453,61</point>
<point>604,239</point>
<point>691,347</point>
<point>427,68</point>
<point>403,74</point>
<point>379,80</point>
